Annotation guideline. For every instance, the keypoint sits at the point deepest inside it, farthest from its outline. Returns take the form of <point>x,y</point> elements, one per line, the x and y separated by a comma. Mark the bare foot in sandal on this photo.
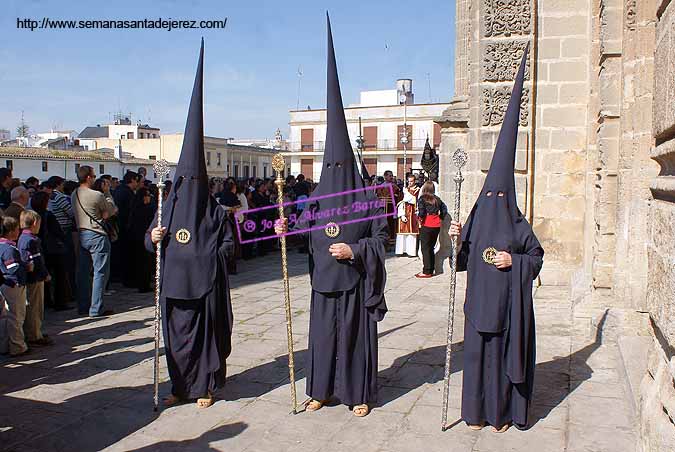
<point>205,402</point>
<point>361,410</point>
<point>314,405</point>
<point>504,428</point>
<point>476,426</point>
<point>172,400</point>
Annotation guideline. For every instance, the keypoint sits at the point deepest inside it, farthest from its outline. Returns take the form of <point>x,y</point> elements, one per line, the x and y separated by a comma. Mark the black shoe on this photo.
<point>23,353</point>
<point>44,342</point>
<point>105,313</point>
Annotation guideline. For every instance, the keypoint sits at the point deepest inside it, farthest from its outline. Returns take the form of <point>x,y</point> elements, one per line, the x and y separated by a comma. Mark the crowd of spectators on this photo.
<point>63,243</point>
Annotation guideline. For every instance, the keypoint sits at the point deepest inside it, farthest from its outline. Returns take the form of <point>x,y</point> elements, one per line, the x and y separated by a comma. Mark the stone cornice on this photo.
<point>457,114</point>
<point>663,185</point>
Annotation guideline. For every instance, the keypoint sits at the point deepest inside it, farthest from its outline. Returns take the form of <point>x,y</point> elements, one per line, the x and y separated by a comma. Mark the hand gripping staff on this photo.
<point>279,164</point>
<point>161,169</point>
<point>459,160</point>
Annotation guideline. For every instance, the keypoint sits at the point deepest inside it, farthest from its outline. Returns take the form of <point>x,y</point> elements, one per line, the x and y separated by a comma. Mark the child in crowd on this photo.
<point>31,253</point>
<point>14,288</point>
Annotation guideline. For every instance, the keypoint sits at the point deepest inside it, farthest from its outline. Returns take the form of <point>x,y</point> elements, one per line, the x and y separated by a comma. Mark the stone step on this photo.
<point>634,351</point>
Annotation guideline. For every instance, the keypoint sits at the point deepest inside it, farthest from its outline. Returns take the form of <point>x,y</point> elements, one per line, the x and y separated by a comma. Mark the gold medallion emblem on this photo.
<point>183,236</point>
<point>332,230</point>
<point>489,255</point>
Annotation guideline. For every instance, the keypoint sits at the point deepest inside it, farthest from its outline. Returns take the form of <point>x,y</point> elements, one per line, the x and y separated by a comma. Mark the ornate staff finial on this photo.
<point>459,158</point>
<point>161,169</point>
<point>278,163</point>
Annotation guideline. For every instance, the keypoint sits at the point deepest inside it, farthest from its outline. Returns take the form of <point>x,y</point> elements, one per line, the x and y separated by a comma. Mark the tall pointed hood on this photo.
<point>496,222</point>
<point>339,171</point>
<point>189,213</point>
<point>192,164</point>
<point>338,196</point>
<point>501,177</point>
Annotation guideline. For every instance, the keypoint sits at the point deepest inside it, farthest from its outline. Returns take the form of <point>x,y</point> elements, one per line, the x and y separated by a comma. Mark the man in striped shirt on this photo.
<point>59,204</point>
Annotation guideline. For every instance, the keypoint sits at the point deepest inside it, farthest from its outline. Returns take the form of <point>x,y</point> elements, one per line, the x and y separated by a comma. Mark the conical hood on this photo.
<point>339,171</point>
<point>501,177</point>
<point>192,164</point>
<point>495,223</point>
<point>188,213</point>
<point>340,196</point>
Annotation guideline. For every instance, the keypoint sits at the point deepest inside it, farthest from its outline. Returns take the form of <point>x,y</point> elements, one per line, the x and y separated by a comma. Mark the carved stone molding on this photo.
<point>663,186</point>
<point>496,100</point>
<point>501,61</point>
<point>631,14</point>
<point>506,18</point>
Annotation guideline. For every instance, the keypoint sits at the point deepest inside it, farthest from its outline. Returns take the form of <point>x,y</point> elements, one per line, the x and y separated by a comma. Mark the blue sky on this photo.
<point>73,78</point>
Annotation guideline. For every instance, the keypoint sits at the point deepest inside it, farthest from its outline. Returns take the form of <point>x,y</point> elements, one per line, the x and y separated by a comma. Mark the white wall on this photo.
<point>25,168</point>
<point>116,131</point>
<point>380,97</point>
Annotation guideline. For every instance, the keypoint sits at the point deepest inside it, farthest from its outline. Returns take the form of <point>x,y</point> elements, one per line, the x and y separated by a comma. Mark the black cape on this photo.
<point>195,295</point>
<point>347,295</point>
<point>500,326</point>
<point>189,209</point>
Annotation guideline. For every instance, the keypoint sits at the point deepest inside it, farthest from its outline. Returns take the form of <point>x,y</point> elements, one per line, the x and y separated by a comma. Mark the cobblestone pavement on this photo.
<point>93,389</point>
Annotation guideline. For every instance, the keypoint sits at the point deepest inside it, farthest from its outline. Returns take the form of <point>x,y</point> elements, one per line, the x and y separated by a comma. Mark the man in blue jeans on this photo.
<point>91,209</point>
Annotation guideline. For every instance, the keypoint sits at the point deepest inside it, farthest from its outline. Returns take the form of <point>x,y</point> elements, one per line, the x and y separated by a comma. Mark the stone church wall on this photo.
<point>597,175</point>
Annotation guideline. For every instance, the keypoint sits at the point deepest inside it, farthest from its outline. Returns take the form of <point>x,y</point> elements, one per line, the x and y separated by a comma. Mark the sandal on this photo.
<point>314,405</point>
<point>503,429</point>
<point>361,410</point>
<point>206,402</point>
<point>476,426</point>
<point>172,400</point>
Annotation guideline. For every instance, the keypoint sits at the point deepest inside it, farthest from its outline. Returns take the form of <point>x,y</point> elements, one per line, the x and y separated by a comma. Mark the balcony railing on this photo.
<point>381,145</point>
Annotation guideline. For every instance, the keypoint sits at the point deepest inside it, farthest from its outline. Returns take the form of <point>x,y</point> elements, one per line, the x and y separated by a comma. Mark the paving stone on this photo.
<point>412,441</point>
<point>600,439</point>
<point>594,411</point>
<point>93,389</point>
<point>514,440</point>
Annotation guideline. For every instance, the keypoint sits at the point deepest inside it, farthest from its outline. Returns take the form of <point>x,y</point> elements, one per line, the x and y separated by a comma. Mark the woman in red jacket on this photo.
<point>431,211</point>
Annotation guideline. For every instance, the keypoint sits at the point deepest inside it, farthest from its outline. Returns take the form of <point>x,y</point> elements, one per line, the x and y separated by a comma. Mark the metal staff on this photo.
<point>279,164</point>
<point>459,160</point>
<point>161,168</point>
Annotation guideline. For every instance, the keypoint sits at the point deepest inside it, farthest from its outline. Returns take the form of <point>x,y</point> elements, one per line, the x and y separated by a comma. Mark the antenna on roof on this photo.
<point>429,81</point>
<point>297,105</point>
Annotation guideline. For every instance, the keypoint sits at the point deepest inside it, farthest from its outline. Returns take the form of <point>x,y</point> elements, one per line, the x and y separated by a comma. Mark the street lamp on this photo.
<point>404,136</point>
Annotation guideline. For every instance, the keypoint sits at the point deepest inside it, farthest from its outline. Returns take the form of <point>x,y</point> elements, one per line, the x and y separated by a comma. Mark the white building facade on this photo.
<point>43,163</point>
<point>223,159</point>
<point>383,117</point>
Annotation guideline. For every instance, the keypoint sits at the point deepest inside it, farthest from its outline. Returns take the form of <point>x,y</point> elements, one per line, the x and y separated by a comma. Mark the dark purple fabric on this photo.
<point>189,269</point>
<point>338,174</point>
<point>198,333</point>
<point>369,258</point>
<point>495,221</point>
<point>499,342</point>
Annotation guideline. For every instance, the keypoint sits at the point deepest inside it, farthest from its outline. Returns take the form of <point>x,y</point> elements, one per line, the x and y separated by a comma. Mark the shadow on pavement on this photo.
<point>67,361</point>
<point>408,372</point>
<point>554,381</point>
<point>202,443</point>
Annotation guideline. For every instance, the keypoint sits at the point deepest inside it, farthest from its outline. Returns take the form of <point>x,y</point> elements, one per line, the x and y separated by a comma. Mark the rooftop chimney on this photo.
<point>118,150</point>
